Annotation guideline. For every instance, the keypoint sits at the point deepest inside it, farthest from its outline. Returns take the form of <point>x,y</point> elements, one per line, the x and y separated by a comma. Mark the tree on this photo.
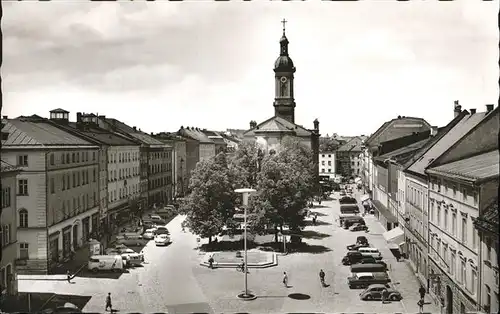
<point>285,184</point>
<point>247,158</point>
<point>212,200</point>
<point>328,144</point>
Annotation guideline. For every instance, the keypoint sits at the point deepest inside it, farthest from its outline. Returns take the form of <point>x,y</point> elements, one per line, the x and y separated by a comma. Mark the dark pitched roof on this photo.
<point>446,141</point>
<point>38,133</point>
<point>478,168</point>
<point>119,125</point>
<point>488,219</point>
<point>353,145</point>
<point>397,132</point>
<point>102,136</point>
<point>146,139</point>
<point>278,125</point>
<point>58,110</point>
<point>400,142</point>
<point>403,154</point>
<point>196,134</point>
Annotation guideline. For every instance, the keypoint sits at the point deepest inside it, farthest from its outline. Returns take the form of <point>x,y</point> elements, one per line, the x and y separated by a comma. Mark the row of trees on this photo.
<point>284,182</point>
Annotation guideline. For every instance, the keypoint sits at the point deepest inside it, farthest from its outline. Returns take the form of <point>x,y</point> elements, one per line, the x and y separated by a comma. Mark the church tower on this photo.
<point>284,103</point>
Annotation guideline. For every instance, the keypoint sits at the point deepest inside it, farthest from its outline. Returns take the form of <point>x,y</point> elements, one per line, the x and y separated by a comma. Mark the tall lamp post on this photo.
<point>245,295</point>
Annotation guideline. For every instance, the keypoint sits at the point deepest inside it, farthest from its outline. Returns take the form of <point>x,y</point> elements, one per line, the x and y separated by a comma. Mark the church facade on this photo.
<point>270,133</point>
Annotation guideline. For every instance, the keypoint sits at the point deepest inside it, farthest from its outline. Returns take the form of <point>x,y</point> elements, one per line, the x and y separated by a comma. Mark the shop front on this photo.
<point>54,249</point>
<point>387,219</point>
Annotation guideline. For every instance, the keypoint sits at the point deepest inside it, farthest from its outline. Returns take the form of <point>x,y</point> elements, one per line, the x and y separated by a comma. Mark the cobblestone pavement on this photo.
<point>173,281</point>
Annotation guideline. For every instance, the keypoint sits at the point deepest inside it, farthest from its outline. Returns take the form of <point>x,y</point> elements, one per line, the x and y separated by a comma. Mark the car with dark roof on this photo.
<point>363,280</point>
<point>374,292</point>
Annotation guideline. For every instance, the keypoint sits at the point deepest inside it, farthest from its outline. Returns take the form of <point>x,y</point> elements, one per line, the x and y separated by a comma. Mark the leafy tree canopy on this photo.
<point>246,159</point>
<point>328,144</point>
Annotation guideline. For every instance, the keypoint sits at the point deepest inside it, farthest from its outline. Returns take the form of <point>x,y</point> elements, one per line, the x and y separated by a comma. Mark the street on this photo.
<point>172,280</point>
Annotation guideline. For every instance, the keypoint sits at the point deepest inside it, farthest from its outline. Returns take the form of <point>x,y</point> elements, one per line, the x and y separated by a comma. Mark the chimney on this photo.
<point>78,117</point>
<point>316,124</point>
<point>434,130</point>
<point>135,128</point>
<point>5,117</point>
<point>457,108</point>
<point>489,108</point>
<point>151,133</point>
<point>253,124</point>
<point>472,111</point>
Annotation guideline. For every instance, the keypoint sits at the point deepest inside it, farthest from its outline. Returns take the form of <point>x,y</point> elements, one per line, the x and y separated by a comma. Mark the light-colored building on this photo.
<point>350,158</point>
<point>206,147</point>
<point>56,191</point>
<point>327,164</point>
<point>488,226</point>
<point>270,133</point>
<point>179,166</point>
<point>8,230</point>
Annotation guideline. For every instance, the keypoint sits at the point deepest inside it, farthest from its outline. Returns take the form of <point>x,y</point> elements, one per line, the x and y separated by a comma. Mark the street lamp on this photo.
<point>246,193</point>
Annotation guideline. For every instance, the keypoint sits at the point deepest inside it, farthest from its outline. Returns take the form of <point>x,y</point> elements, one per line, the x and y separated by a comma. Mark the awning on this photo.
<point>395,236</point>
<point>364,197</point>
<point>385,212</point>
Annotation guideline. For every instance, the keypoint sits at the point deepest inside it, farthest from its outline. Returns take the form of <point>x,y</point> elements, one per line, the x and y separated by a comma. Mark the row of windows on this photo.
<point>323,163</point>
<point>153,184</point>
<point>437,184</point>
<point>329,156</point>
<point>72,207</point>
<point>113,175</point>
<point>75,179</point>
<point>6,197</point>
<point>160,155</point>
<point>441,218</point>
<point>123,193</point>
<point>75,157</point>
<point>123,157</point>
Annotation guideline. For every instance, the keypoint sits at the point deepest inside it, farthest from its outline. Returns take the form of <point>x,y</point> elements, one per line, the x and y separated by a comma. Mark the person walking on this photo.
<point>420,304</point>
<point>422,291</point>
<point>211,262</point>
<point>108,303</point>
<point>384,295</point>
<point>322,277</point>
<point>68,275</point>
<point>285,279</point>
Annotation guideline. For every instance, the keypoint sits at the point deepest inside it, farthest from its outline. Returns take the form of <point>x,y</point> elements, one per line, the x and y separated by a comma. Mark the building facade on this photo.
<point>270,133</point>
<point>327,164</point>
<point>56,195</point>
<point>179,165</point>
<point>350,158</point>
<point>8,230</point>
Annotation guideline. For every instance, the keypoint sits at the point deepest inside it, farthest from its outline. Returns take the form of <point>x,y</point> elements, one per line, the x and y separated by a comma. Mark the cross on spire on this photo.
<point>284,22</point>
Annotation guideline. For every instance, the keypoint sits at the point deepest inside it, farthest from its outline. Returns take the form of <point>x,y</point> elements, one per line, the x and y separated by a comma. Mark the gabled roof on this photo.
<point>478,168</point>
<point>58,110</point>
<point>230,138</point>
<point>214,136</point>
<point>40,133</point>
<point>446,141</point>
<point>101,135</point>
<point>278,125</point>
<point>146,139</point>
<point>488,220</point>
<point>119,125</point>
<point>196,134</point>
<point>377,132</point>
<point>353,145</point>
<point>398,131</point>
<point>403,154</point>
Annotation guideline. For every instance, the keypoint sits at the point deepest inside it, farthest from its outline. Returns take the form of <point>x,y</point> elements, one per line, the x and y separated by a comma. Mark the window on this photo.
<point>5,230</point>
<point>473,281</point>
<point>445,187</point>
<point>322,169</point>
<point>474,194</point>
<point>445,255</point>
<point>22,185</point>
<point>78,157</point>
<point>52,159</point>
<point>452,262</point>
<point>329,170</point>
<point>67,158</point>
<point>74,179</point>
<point>75,207</point>
<point>5,197</point>
<point>463,271</point>
<point>52,186</point>
<point>438,215</point>
<point>22,160</point>
<point>438,249</point>
<point>73,158</point>
<point>329,163</point>
<point>432,185</point>
<point>23,250</point>
<point>86,156</point>
<point>63,160</point>
<point>454,223</point>
<point>64,183</point>
<point>93,156</point>
<point>432,212</point>
<point>322,162</point>
<point>474,239</point>
<point>446,219</point>
<point>454,190</point>
<point>464,230</point>
<point>93,175</point>
<point>464,194</point>
<point>487,301</point>
<point>23,218</point>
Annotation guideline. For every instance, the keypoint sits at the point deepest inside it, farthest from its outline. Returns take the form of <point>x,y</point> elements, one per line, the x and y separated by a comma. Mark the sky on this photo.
<point>163,65</point>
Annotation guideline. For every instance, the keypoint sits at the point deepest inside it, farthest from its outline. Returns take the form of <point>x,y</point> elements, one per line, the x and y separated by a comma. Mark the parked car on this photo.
<point>105,262</point>
<point>370,251</point>
<point>355,247</point>
<point>363,280</point>
<point>368,268</point>
<point>348,200</point>
<point>351,221</point>
<point>372,260</point>
<point>162,239</point>
<point>131,256</point>
<point>161,230</point>
<point>352,257</point>
<point>149,234</point>
<point>349,209</point>
<point>132,239</point>
<point>362,240</point>
<point>374,292</point>
<point>358,227</point>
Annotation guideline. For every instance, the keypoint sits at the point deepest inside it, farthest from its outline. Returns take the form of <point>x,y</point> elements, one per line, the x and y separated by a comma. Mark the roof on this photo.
<point>446,141</point>
<point>147,139</point>
<point>6,167</point>
<point>278,125</point>
<point>398,130</point>
<point>214,136</point>
<point>58,110</point>
<point>488,219</point>
<point>353,145</point>
<point>30,133</point>
<point>196,134</point>
<point>401,155</point>
<point>478,168</point>
<point>230,138</point>
<point>119,125</point>
<point>103,136</point>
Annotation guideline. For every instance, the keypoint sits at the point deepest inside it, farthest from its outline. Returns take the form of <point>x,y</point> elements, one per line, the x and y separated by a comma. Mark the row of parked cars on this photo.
<point>121,256</point>
<point>368,271</point>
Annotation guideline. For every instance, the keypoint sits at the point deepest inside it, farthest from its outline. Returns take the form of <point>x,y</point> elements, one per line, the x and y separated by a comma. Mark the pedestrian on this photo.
<point>68,275</point>
<point>108,303</point>
<point>285,279</point>
<point>422,291</point>
<point>211,261</point>
<point>420,304</point>
<point>322,277</point>
<point>384,295</point>
<point>314,220</point>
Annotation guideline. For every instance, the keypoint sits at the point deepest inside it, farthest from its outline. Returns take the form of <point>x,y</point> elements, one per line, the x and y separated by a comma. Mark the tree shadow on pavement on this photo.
<point>319,206</point>
<point>317,214</point>
<point>311,234</point>
<point>226,246</point>
<point>85,273</point>
<point>318,223</point>
<point>294,248</point>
